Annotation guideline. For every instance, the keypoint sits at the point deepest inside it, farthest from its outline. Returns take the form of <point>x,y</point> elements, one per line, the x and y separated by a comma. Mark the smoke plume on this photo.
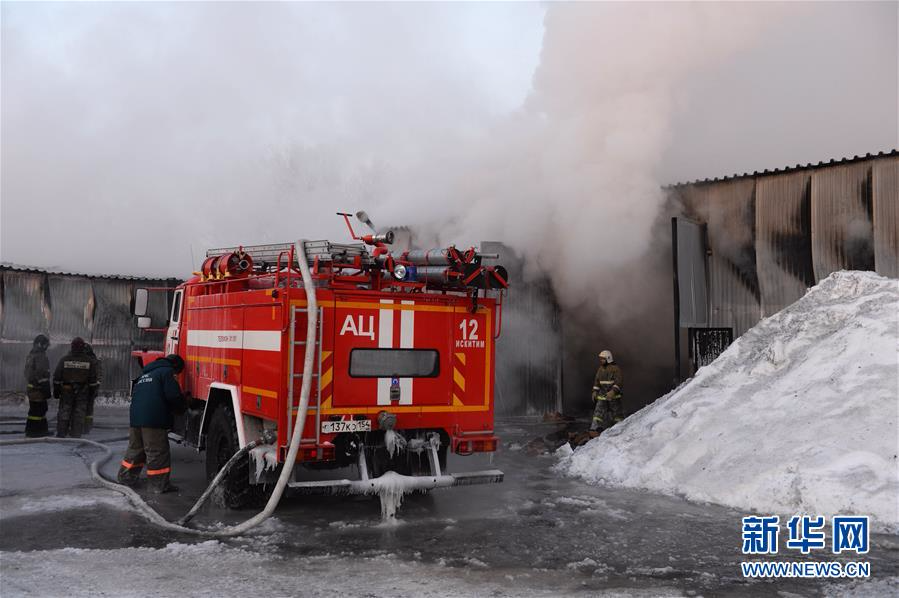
<point>134,136</point>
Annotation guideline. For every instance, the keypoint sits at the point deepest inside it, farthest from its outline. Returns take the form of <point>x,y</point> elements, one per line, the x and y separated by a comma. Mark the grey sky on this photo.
<point>136,134</point>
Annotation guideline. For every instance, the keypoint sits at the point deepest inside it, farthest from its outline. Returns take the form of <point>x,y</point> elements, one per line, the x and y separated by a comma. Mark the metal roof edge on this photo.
<point>35,270</point>
<point>784,170</point>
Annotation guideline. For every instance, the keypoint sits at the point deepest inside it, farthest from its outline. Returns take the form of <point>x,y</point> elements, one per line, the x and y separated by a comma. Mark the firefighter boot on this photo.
<point>615,410</point>
<point>76,425</point>
<point>159,459</point>
<point>64,416</point>
<point>134,459</point>
<point>89,416</point>
<point>129,473</point>
<point>36,424</point>
<point>160,484</point>
<point>599,421</point>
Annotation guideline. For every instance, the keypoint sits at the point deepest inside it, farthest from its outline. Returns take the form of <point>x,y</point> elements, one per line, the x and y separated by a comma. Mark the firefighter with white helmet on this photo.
<point>606,394</point>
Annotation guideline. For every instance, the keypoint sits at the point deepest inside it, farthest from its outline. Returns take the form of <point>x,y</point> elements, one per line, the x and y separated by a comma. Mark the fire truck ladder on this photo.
<point>293,376</point>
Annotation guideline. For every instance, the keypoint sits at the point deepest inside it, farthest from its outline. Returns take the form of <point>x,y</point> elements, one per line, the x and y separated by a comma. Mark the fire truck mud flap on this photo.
<point>392,480</point>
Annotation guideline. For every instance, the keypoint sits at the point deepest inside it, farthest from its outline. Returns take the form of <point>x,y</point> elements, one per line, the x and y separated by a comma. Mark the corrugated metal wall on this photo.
<point>729,210</point>
<point>842,219</point>
<point>783,239</point>
<point>112,320</point>
<point>63,306</point>
<point>529,350</point>
<point>71,301</point>
<point>22,314</point>
<point>885,182</point>
<point>773,235</point>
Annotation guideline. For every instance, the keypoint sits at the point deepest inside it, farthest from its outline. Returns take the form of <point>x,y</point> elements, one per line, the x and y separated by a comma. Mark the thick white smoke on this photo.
<point>571,181</point>
<point>134,136</point>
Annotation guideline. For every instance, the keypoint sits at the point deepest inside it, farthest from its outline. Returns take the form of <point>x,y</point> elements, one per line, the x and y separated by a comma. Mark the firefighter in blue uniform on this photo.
<point>155,398</point>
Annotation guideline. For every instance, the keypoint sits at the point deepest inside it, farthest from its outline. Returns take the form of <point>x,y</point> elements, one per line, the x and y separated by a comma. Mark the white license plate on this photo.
<point>355,425</point>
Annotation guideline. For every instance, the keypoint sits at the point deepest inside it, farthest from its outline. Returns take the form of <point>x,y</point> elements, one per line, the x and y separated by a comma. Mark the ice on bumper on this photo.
<point>391,487</point>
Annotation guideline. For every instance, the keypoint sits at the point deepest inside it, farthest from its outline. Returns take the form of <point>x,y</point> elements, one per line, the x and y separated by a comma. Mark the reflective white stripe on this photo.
<point>385,341</point>
<point>256,340</point>
<point>407,341</point>
<point>262,340</point>
<point>77,365</point>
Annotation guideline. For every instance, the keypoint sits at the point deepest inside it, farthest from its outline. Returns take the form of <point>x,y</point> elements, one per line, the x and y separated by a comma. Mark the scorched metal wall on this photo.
<point>773,235</point>
<point>63,306</point>
<point>783,239</point>
<point>729,212</point>
<point>842,219</point>
<point>529,350</point>
<point>885,180</point>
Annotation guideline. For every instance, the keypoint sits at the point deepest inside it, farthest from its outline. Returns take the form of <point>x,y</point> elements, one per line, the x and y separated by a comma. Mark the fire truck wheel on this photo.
<point>221,444</point>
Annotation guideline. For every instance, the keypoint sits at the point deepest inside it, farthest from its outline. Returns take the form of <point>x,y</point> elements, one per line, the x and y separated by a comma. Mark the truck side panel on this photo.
<point>212,343</point>
<point>263,346</point>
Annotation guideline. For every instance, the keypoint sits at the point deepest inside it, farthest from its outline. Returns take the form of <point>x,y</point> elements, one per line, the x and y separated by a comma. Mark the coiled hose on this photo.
<point>155,518</point>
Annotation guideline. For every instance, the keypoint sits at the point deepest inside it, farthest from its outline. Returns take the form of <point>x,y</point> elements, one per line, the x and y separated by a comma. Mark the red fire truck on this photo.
<point>403,368</point>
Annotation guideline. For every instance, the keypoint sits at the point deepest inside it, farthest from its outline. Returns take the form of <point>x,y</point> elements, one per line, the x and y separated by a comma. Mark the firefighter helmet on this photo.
<point>607,355</point>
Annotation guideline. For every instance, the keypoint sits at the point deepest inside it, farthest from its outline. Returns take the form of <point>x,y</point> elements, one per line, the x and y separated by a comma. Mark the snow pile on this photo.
<point>797,415</point>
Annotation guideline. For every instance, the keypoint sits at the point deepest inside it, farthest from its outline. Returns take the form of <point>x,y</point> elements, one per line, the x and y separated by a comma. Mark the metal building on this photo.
<point>749,245</point>
<point>529,349</point>
<point>63,306</point>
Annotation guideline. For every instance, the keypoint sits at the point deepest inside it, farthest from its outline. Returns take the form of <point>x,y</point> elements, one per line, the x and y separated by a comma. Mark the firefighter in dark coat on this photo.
<point>155,397</point>
<point>74,380</point>
<point>89,414</point>
<point>606,394</point>
<point>37,376</point>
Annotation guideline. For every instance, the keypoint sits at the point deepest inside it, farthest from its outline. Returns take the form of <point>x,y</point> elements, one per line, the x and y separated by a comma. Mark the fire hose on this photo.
<point>154,517</point>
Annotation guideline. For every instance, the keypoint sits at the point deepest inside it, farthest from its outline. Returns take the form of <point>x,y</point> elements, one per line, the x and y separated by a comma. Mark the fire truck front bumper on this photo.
<point>391,481</point>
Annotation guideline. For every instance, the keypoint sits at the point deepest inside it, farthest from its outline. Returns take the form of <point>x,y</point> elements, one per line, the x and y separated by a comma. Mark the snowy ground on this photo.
<point>799,415</point>
<point>537,534</point>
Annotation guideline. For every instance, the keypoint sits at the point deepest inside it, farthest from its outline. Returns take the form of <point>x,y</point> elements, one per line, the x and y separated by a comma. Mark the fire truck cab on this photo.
<point>403,362</point>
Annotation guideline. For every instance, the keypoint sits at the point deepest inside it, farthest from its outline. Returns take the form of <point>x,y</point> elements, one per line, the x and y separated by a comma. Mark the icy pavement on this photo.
<point>537,534</point>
